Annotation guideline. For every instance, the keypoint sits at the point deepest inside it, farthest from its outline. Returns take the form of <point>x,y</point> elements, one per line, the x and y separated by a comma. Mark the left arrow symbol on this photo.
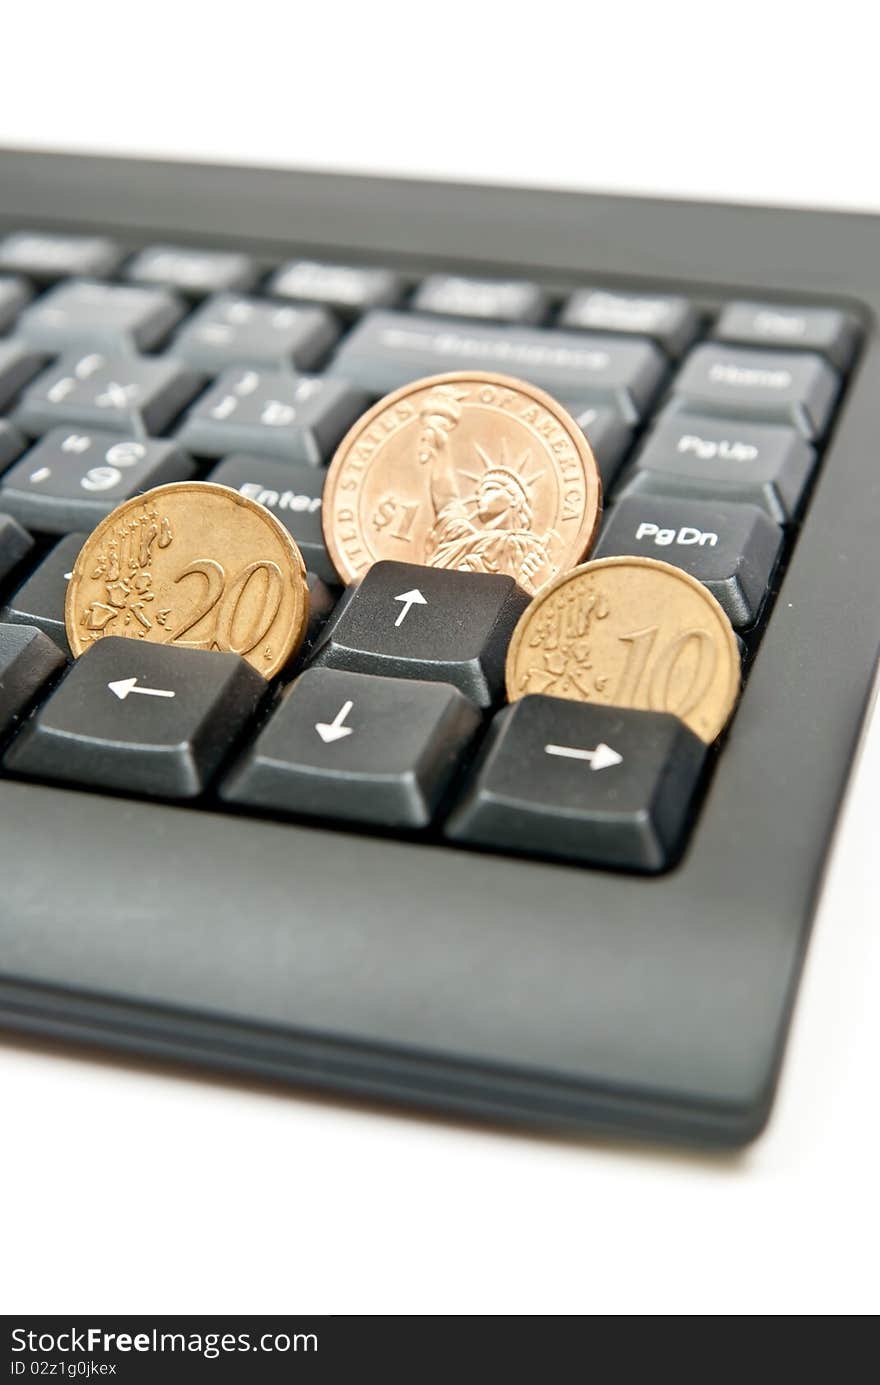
<point>124,686</point>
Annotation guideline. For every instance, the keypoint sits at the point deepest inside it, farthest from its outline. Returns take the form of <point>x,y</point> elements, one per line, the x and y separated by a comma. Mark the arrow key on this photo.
<point>356,747</point>
<point>408,621</point>
<point>604,785</point>
<point>140,718</point>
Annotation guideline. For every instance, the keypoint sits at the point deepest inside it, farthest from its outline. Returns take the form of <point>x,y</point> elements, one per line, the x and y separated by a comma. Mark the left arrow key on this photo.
<point>123,686</point>
<point>193,706</point>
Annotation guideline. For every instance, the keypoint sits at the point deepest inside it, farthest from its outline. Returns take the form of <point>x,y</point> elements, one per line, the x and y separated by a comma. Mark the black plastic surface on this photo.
<point>434,975</point>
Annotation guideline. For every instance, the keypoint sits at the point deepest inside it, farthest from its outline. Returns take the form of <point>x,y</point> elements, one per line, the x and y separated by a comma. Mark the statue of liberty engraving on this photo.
<point>490,527</point>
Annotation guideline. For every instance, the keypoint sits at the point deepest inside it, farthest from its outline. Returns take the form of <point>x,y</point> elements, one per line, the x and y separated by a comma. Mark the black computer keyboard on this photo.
<point>230,890</point>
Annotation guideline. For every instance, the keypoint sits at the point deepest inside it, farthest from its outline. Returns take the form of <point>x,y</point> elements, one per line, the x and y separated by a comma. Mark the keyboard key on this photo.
<point>134,394</point>
<point>18,364</point>
<point>296,417</point>
<point>765,386</point>
<point>707,458</point>
<point>386,350</point>
<point>348,289</point>
<point>14,293</point>
<point>408,621</point>
<point>45,255</point>
<point>15,544</point>
<point>71,480</point>
<point>27,661</point>
<point>292,491</point>
<point>827,330</point>
<point>671,321</point>
<point>140,718</point>
<point>495,299</point>
<point>608,435</point>
<point>12,444</point>
<point>353,746</point>
<point>604,785</point>
<point>40,600</point>
<point>192,272</point>
<point>731,549</point>
<point>104,317</point>
<point>230,330</point>
<point>323,596</point>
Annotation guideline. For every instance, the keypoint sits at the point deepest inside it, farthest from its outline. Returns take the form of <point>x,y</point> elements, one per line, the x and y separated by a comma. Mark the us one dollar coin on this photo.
<point>629,632</point>
<point>195,565</point>
<point>470,471</point>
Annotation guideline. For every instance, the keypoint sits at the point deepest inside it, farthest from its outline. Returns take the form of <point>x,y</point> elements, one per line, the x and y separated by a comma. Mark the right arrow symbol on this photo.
<point>603,757</point>
<point>409,599</point>
<point>334,730</point>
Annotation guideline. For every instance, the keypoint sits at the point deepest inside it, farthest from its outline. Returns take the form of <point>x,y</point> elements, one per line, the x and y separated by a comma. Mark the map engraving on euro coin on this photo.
<point>195,565</point>
<point>471,471</point>
<point>629,632</point>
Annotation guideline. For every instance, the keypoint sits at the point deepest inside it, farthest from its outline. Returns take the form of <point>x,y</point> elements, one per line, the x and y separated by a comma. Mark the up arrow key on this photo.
<point>409,599</point>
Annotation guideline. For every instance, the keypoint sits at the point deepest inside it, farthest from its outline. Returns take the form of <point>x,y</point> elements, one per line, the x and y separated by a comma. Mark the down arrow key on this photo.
<point>334,730</point>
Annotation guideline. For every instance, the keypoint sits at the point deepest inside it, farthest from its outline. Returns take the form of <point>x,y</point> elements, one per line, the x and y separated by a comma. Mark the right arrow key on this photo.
<point>607,786</point>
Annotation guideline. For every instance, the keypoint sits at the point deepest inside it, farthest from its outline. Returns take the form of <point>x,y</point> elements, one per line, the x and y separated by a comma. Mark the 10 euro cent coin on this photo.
<point>629,632</point>
<point>470,471</point>
<point>194,565</point>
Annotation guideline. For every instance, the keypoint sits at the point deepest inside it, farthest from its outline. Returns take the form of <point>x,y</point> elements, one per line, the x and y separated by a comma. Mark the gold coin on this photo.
<point>471,471</point>
<point>629,632</point>
<point>194,565</point>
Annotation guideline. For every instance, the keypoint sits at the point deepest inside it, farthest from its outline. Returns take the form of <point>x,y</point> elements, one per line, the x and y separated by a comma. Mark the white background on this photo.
<point>128,1188</point>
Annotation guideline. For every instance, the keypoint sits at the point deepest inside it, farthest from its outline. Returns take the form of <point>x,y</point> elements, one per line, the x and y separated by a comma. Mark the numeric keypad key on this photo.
<point>47,255</point>
<point>495,300</point>
<point>19,363</point>
<point>131,393</point>
<point>104,317</point>
<point>671,321</point>
<point>192,272</point>
<point>71,480</point>
<point>299,418</point>
<point>14,294</point>
<point>231,330</point>
<point>347,289</point>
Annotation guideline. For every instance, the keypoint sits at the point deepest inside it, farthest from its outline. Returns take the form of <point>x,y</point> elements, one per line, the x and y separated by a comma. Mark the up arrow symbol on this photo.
<point>409,599</point>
